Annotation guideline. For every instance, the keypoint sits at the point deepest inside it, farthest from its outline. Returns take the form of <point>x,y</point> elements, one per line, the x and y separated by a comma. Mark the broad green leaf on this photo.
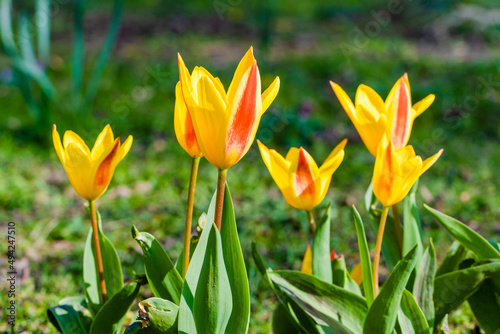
<point>410,316</point>
<point>364,254</point>
<point>390,248</point>
<point>471,240</point>
<point>412,231</point>
<point>382,314</point>
<point>212,304</point>
<point>423,288</point>
<point>112,269</point>
<point>341,276</point>
<point>71,316</point>
<point>484,304</point>
<point>206,302</point>
<point>111,315</point>
<point>295,314</point>
<point>453,257</point>
<point>282,323</point>
<point>321,248</point>
<point>329,305</point>
<point>236,270</point>
<point>155,316</point>
<point>164,280</point>
<point>451,289</point>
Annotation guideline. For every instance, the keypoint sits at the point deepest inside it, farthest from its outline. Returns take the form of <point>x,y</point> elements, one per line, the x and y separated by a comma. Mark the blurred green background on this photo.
<point>449,48</point>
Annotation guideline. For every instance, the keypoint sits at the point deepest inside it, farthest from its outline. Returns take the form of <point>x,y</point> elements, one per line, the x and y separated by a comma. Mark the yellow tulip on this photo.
<point>90,172</point>
<point>396,171</point>
<point>225,123</point>
<point>374,118</point>
<point>301,182</point>
<point>183,124</point>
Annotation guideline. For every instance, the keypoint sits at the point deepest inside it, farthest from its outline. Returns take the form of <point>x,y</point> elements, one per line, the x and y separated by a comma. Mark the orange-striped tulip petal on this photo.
<point>90,172</point>
<point>301,182</point>
<point>226,123</point>
<point>183,124</point>
<point>374,118</point>
<point>396,171</point>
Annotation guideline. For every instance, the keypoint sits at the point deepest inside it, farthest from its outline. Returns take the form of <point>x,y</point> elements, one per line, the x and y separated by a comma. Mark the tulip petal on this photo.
<point>371,101</point>
<point>430,161</point>
<point>277,165</point>
<point>123,149</point>
<point>183,124</point>
<point>345,101</point>
<point>332,162</point>
<point>71,137</point>
<point>245,64</point>
<point>244,109</point>
<point>199,72</point>
<point>185,80</point>
<point>209,121</point>
<point>303,176</point>
<point>400,115</point>
<point>372,132</point>
<point>270,94</point>
<point>423,104</point>
<point>57,143</point>
<point>103,143</point>
<point>104,172</point>
<point>78,168</point>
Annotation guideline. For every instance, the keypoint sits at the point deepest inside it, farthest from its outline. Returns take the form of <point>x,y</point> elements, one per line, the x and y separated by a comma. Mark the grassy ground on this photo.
<point>443,52</point>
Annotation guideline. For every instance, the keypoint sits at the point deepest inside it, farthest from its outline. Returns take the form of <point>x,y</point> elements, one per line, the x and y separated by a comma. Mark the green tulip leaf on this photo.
<point>382,315</point>
<point>321,248</point>
<point>364,254</point>
<point>206,302</point>
<point>111,315</point>
<point>423,288</point>
<point>341,276</point>
<point>329,305</point>
<point>470,239</point>
<point>155,316</point>
<point>112,270</point>
<point>235,267</point>
<point>451,289</point>
<point>452,259</point>
<point>164,280</point>
<point>71,316</point>
<point>485,306</point>
<point>410,317</point>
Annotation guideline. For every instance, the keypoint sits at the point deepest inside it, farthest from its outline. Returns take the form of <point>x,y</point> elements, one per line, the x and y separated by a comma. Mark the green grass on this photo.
<point>149,189</point>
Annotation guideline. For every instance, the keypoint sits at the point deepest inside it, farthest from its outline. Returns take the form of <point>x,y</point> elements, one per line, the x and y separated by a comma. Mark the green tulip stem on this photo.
<point>189,215</point>
<point>310,219</point>
<point>399,231</point>
<point>219,201</point>
<point>378,248</point>
<point>97,251</point>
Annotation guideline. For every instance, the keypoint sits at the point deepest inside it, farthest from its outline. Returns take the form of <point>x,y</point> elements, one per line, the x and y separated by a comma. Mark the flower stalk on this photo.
<point>378,247</point>
<point>97,252</point>
<point>310,219</point>
<point>219,201</point>
<point>195,162</point>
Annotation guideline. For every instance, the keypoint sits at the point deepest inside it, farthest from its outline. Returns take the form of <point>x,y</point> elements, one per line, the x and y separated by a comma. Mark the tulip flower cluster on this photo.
<point>207,290</point>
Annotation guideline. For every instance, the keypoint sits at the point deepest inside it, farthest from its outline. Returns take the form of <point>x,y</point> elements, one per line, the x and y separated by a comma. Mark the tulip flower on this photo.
<point>396,171</point>
<point>90,172</point>
<point>394,174</point>
<point>225,123</point>
<point>183,124</point>
<point>301,182</point>
<point>374,118</point>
